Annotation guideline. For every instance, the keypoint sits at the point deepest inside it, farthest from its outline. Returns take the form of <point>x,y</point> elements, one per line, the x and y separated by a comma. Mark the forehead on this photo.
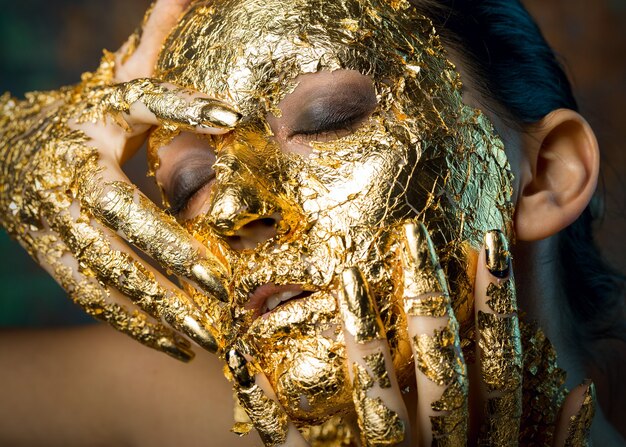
<point>251,51</point>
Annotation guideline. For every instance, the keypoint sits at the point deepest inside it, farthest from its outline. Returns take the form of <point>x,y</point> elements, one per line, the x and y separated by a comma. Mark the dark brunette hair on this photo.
<point>513,66</point>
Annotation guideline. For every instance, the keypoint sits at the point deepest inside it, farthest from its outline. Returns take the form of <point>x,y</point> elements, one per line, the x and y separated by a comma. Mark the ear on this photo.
<point>559,174</point>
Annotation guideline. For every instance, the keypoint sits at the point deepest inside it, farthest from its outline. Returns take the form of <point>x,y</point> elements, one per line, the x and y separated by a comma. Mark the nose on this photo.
<point>242,211</point>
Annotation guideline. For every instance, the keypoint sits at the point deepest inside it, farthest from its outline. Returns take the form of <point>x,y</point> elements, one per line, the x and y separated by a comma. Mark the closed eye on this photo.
<point>331,115</point>
<point>187,181</point>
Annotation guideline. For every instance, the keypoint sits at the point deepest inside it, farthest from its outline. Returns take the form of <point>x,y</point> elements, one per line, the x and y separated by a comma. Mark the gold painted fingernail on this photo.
<point>422,273</point>
<point>204,273</point>
<point>579,427</point>
<point>199,334</point>
<point>497,254</point>
<point>238,366</point>
<point>178,350</point>
<point>217,114</point>
<point>357,307</point>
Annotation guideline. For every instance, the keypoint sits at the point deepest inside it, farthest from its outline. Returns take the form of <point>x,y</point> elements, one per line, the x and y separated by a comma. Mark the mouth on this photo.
<point>268,297</point>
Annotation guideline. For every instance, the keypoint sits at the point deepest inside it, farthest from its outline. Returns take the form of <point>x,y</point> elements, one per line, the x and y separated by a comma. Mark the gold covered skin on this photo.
<point>422,154</point>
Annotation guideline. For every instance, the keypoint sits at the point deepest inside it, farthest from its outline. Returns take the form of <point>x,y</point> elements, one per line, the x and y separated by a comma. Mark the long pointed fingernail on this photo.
<point>425,287</point>
<point>579,427</point>
<point>357,307</point>
<point>198,333</point>
<point>204,273</point>
<point>179,348</point>
<point>238,366</point>
<point>220,115</point>
<point>497,254</point>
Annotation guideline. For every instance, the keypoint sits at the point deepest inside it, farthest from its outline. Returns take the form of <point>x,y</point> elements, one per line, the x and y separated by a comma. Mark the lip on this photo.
<point>259,298</point>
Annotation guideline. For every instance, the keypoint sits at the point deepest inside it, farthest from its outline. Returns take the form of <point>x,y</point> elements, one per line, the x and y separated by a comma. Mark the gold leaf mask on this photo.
<point>422,154</point>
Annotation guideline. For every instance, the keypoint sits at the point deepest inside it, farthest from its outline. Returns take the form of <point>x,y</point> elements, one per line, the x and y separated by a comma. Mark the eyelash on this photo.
<point>181,204</point>
<point>327,130</point>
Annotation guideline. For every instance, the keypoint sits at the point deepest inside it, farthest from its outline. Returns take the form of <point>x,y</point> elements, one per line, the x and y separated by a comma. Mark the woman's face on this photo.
<point>353,123</point>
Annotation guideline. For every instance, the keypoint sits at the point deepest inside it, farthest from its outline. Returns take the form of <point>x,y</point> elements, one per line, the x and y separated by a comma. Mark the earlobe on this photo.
<point>559,174</point>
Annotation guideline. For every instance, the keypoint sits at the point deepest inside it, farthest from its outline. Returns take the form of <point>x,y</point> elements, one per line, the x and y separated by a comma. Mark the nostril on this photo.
<point>235,242</point>
<point>267,221</point>
<point>255,232</point>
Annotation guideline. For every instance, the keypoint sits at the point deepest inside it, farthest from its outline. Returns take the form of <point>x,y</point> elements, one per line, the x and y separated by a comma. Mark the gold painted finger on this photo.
<point>441,373</point>
<point>95,299</point>
<point>381,414</point>
<point>357,307</point>
<point>119,268</point>
<point>122,207</point>
<point>499,344</point>
<point>170,107</point>
<point>266,415</point>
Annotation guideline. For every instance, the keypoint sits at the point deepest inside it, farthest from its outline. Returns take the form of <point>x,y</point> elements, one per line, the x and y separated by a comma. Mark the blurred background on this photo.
<point>45,44</point>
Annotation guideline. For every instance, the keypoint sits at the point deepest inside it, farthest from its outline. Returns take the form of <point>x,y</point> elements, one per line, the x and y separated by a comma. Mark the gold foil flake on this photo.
<point>93,298</point>
<point>502,421</point>
<point>357,308</point>
<point>376,363</point>
<point>579,426</point>
<point>501,352</point>
<point>333,433</point>
<point>543,388</point>
<point>501,297</point>
<point>423,274</point>
<point>265,414</point>
<point>268,418</point>
<point>431,306</point>
<point>379,425</point>
<point>436,356</point>
<point>439,358</point>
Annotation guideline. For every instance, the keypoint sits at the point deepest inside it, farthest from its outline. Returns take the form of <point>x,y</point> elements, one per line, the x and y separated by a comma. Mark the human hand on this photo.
<point>444,413</point>
<point>63,194</point>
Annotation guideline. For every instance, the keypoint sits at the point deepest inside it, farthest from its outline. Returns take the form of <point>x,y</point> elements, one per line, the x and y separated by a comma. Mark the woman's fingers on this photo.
<point>499,352</point>
<point>381,413</point>
<point>138,56</point>
<point>575,418</point>
<point>114,264</point>
<point>440,369</point>
<point>119,205</point>
<point>256,396</point>
<point>102,302</point>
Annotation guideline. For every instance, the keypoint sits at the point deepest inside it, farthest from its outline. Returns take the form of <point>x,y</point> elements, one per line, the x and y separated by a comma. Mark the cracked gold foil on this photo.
<point>501,354</point>
<point>501,297</point>
<point>422,155</point>
<point>376,363</point>
<point>379,426</point>
<point>357,307</point>
<point>543,388</point>
<point>268,418</point>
